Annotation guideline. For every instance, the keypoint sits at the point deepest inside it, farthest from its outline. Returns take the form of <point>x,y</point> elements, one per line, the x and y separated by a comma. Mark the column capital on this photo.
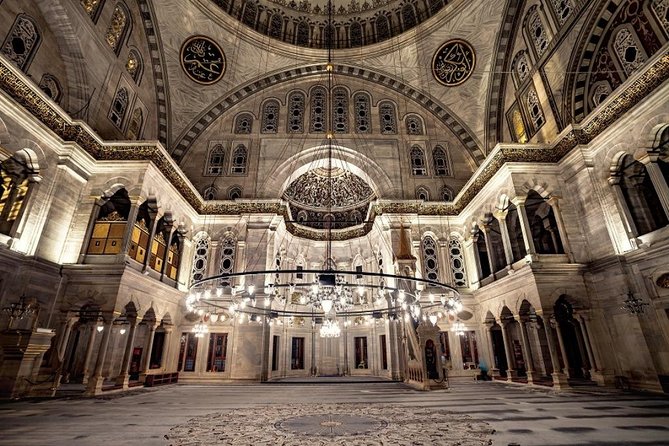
<point>500,214</point>
<point>519,200</point>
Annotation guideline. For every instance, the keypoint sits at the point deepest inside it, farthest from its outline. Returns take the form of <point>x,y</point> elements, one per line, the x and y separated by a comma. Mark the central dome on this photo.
<point>323,194</point>
<point>355,23</point>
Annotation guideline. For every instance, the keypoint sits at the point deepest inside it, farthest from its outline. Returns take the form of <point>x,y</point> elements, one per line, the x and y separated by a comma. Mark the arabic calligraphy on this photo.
<point>202,60</point>
<point>453,63</point>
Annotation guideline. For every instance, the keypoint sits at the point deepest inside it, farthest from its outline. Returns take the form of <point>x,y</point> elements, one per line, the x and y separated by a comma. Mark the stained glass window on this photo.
<point>209,193</point>
<point>302,34</point>
<point>239,160</point>
<point>200,257</point>
<point>356,34</point>
<point>362,107</point>
<point>601,91</point>
<point>422,193</point>
<point>244,123</point>
<point>276,26</point>
<point>270,117</point>
<point>22,41</point>
<point>250,12</point>
<point>119,107</point>
<point>387,117</point>
<point>447,193</point>
<point>227,265</point>
<point>340,110</point>
<point>457,263</point>
<point>430,261</point>
<point>118,26</point>
<point>134,65</point>
<point>440,160</point>
<point>216,160</point>
<point>92,7</point>
<point>296,112</point>
<point>534,109</point>
<point>418,161</point>
<point>563,9</point>
<point>629,53</point>
<point>50,85</point>
<point>408,16</point>
<point>235,192</point>
<point>318,109</point>
<point>414,125</point>
<point>521,66</point>
<point>536,30</point>
<point>382,28</point>
<point>136,124</point>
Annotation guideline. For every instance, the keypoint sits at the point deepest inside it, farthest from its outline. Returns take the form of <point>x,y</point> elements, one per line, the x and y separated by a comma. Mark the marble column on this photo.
<point>657,178</point>
<point>164,359</point>
<point>123,378</point>
<point>494,367</point>
<point>127,236</point>
<point>504,232</point>
<point>527,351</point>
<point>559,378</point>
<point>623,208</point>
<point>93,329</point>
<point>148,350</point>
<point>65,338</point>
<point>563,350</point>
<point>508,350</point>
<point>554,203</point>
<point>525,225</point>
<point>94,385</point>
<point>588,343</point>
<point>492,261</point>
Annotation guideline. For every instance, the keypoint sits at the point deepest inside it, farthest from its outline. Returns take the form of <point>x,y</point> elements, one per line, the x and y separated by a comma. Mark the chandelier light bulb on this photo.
<point>219,292</point>
<point>303,300</point>
<point>433,319</point>
<point>99,328</point>
<point>207,294</point>
<point>314,288</point>
<point>268,301</point>
<point>200,312</point>
<point>213,317</point>
<point>431,296</point>
<point>122,331</point>
<point>402,296</point>
<point>327,305</point>
<point>251,289</point>
<point>361,290</point>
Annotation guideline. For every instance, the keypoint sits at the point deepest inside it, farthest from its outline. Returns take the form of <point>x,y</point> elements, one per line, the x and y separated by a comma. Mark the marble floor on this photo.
<point>333,413</point>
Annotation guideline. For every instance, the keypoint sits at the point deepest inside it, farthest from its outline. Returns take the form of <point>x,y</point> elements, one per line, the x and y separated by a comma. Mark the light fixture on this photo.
<point>99,328</point>
<point>200,329</point>
<point>122,331</point>
<point>286,296</point>
<point>633,304</point>
<point>458,328</point>
<point>19,310</point>
<point>433,319</point>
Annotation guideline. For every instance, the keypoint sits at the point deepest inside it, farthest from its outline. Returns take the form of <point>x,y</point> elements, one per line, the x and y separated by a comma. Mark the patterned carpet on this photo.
<point>332,424</point>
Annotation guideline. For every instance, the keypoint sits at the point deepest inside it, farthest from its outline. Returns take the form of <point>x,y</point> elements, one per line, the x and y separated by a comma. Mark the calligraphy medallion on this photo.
<point>202,60</point>
<point>453,63</point>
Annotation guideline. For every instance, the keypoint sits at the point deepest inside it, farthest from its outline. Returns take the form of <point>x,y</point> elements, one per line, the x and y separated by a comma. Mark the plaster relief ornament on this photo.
<point>453,63</point>
<point>202,60</point>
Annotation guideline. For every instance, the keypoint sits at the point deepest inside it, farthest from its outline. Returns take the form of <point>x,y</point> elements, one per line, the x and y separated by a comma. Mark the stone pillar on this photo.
<point>587,365</point>
<point>623,208</point>
<point>563,351</point>
<point>127,236</point>
<point>148,350</point>
<point>525,225</point>
<point>123,378</point>
<point>95,214</point>
<point>492,261</point>
<point>65,338</point>
<point>559,378</point>
<point>588,343</point>
<point>554,203</point>
<point>93,328</point>
<point>504,231</point>
<point>164,359</point>
<point>508,350</point>
<point>94,385</point>
<point>494,370</point>
<point>527,351</point>
<point>656,177</point>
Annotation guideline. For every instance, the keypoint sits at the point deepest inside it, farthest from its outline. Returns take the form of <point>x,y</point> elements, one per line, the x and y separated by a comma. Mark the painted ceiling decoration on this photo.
<point>453,63</point>
<point>202,60</point>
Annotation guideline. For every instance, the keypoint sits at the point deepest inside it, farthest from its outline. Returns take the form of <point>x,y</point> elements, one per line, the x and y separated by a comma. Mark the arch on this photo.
<point>440,161</point>
<point>457,262</point>
<point>363,110</point>
<point>234,192</point>
<point>536,31</point>
<point>209,193</point>
<point>543,225</point>
<point>414,124</point>
<point>240,157</point>
<point>216,160</point>
<point>243,124</point>
<point>249,13</point>
<point>521,67</point>
<point>418,164</point>
<point>275,26</point>
<point>318,109</point>
<point>387,118</point>
<point>18,176</point>
<point>119,107</point>
<point>270,116</point>
<point>422,193</point>
<point>217,108</point>
<point>136,125</point>
<point>382,27</point>
<point>119,27</point>
<point>296,106</point>
<point>227,257</point>
<point>355,34</point>
<point>340,110</point>
<point>447,193</point>
<point>302,34</point>
<point>134,65</point>
<point>51,86</point>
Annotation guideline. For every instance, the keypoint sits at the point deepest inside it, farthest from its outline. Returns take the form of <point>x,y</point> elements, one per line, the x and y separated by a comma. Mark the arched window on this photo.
<point>661,10</point>
<point>536,31</point>
<point>340,110</point>
<point>209,193</point>
<point>249,14</point>
<point>318,109</point>
<point>216,160</point>
<point>440,160</point>
<point>382,28</point>
<point>239,160</point>
<point>276,26</point>
<point>243,124</point>
<point>641,197</point>
<point>600,92</point>
<point>362,107</point>
<point>447,193</point>
<point>134,65</point>
<point>234,193</point>
<point>20,174</point>
<point>92,8</point>
<point>417,156</point>
<point>136,124</point>
<point>414,125</point>
<point>302,34</point>
<point>422,193</point>
<point>408,16</point>
<point>270,116</point>
<point>430,261</point>
<point>521,66</point>
<point>629,51</point>
<point>50,85</point>
<point>118,27</point>
<point>22,41</point>
<point>356,34</point>
<point>517,125</point>
<point>563,9</point>
<point>457,259</point>
<point>110,225</point>
<point>388,119</point>
<point>119,107</point>
<point>296,103</point>
<point>227,264</point>
<point>200,257</point>
<point>535,111</point>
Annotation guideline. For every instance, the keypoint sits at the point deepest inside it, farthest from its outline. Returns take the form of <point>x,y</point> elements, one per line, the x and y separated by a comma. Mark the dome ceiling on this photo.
<point>356,23</point>
<point>318,193</point>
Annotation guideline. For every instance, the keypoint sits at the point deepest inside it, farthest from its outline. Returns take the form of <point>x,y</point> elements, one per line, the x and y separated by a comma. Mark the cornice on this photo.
<point>14,84</point>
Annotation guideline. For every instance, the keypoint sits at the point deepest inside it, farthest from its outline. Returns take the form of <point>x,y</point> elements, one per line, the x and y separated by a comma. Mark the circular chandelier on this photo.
<point>281,295</point>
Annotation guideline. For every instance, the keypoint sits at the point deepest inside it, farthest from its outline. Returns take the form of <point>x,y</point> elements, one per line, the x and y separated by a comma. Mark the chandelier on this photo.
<point>458,328</point>
<point>329,293</point>
<point>633,304</point>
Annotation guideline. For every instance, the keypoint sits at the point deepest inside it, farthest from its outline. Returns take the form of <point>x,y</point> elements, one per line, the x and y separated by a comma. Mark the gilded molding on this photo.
<point>25,94</point>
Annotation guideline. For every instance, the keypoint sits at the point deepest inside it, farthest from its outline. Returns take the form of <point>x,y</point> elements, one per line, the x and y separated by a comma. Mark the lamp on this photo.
<point>633,304</point>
